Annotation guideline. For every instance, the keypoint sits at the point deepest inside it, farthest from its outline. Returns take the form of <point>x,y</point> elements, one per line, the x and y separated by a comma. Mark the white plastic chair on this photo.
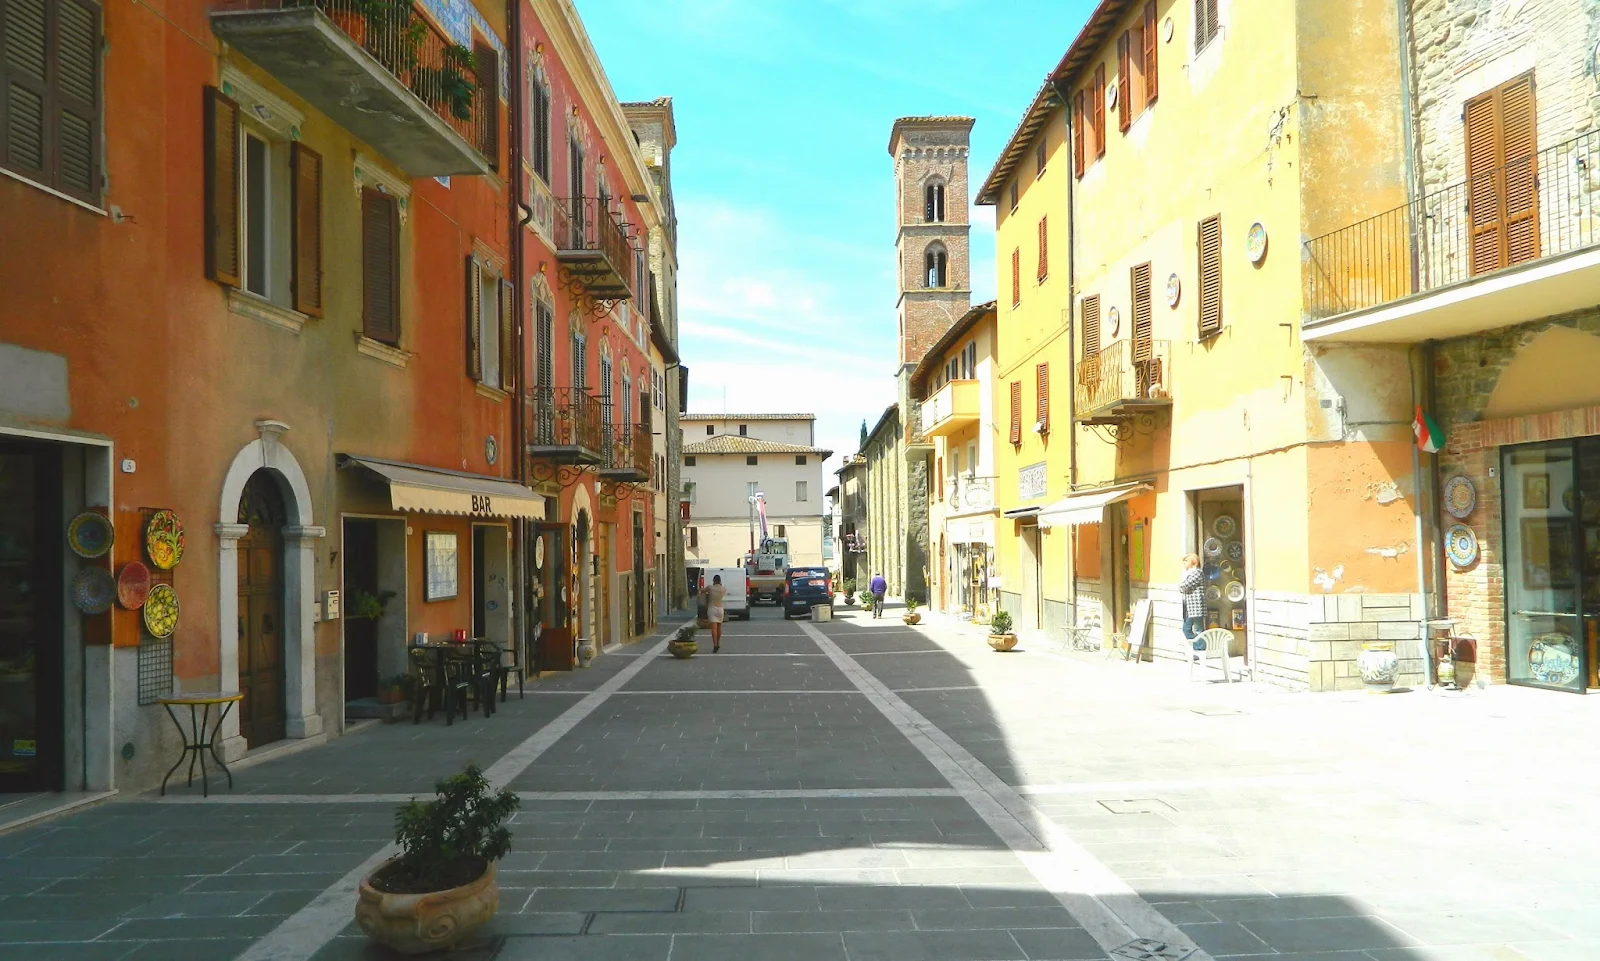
<point>1216,641</point>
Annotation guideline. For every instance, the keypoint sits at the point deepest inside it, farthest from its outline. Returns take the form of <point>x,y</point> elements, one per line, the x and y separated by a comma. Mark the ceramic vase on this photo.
<point>1378,666</point>
<point>1002,642</point>
<point>585,652</point>
<point>420,923</point>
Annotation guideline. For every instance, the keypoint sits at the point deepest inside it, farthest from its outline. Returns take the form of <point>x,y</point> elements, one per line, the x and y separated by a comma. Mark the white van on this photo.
<point>737,603</point>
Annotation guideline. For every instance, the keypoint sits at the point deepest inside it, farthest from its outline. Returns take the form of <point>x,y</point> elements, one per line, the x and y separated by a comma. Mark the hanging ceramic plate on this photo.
<point>93,590</point>
<point>1234,591</point>
<point>1213,593</point>
<point>1174,290</point>
<point>1460,497</point>
<point>1236,550</point>
<point>1213,546</point>
<point>133,585</point>
<point>161,611</point>
<point>1461,545</point>
<point>1224,526</point>
<point>90,534</point>
<point>1228,570</point>
<point>1255,242</point>
<point>163,540</point>
<point>1553,659</point>
<point>1211,571</point>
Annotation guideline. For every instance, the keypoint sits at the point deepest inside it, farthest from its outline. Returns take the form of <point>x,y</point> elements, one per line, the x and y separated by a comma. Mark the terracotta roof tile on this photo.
<point>734,444</point>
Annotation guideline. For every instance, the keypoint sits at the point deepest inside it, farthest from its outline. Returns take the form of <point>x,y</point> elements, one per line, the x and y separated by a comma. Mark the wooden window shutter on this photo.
<point>546,343</point>
<point>1099,94</point>
<point>1520,148</point>
<point>1016,412</point>
<point>1124,64</point>
<point>1091,325</point>
<point>1016,276</point>
<point>75,96</point>
<point>380,266</point>
<point>474,321</point>
<point>305,237</point>
<point>222,188</point>
<point>1484,211</point>
<point>1077,134</point>
<point>1044,247</point>
<point>1210,244</point>
<point>1042,397</point>
<point>25,70</point>
<point>487,64</point>
<point>1152,84</point>
<point>509,368</point>
<point>1206,23</point>
<point>1142,331</point>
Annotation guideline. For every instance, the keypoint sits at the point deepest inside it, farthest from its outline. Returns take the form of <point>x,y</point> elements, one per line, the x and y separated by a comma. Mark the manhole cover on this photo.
<point>1149,949</point>
<point>1141,805</point>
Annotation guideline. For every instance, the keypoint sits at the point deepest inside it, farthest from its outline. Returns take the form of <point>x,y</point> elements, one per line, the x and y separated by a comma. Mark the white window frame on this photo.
<point>800,491</point>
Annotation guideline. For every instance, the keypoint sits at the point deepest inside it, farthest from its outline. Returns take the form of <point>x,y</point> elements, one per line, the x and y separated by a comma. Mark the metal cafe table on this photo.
<point>202,736</point>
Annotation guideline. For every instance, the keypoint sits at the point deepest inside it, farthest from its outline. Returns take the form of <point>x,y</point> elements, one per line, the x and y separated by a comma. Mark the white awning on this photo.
<point>428,490</point>
<point>1087,507</point>
<point>976,530</point>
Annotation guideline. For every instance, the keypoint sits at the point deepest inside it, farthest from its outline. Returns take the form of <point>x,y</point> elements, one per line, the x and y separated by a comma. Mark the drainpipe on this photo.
<point>522,606</point>
<point>1072,363</point>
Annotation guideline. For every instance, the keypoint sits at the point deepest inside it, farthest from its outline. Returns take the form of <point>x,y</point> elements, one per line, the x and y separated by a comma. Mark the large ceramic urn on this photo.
<point>419,923</point>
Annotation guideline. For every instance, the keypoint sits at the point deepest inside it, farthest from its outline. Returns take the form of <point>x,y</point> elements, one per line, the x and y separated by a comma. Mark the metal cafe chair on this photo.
<point>506,661</point>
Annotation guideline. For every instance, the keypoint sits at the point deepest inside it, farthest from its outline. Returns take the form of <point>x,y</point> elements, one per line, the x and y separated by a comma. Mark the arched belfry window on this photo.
<point>935,267</point>
<point>933,203</point>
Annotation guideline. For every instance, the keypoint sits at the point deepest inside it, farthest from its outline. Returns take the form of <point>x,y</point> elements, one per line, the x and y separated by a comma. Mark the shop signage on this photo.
<point>1032,482</point>
<point>481,504</point>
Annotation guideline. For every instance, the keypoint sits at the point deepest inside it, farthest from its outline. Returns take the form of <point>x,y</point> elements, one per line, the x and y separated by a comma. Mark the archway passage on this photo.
<point>261,588</point>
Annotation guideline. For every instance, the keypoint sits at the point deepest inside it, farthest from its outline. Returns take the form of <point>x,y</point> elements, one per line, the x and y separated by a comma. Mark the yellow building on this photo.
<point>1150,211</point>
<point>954,387</point>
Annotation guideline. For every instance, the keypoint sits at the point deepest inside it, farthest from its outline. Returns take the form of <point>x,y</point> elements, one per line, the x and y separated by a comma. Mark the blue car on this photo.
<point>805,587</point>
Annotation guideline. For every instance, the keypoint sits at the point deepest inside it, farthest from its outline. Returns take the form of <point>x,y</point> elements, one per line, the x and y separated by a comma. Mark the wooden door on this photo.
<point>31,648</point>
<point>261,713</point>
<point>1502,175</point>
<point>556,600</point>
<point>602,587</point>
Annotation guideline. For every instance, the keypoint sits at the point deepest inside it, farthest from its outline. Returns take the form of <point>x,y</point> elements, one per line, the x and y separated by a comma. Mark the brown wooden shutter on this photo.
<point>380,266</point>
<point>1044,247</point>
<point>222,188</point>
<point>1099,94</point>
<point>75,105</point>
<point>474,330</point>
<point>1484,212</point>
<point>1142,331</point>
<point>1124,63</point>
<point>1016,276</point>
<point>1210,244</point>
<point>1042,396</point>
<point>1077,134</point>
<point>1152,84</point>
<point>1206,23</point>
<point>1016,412</point>
<point>1091,325</point>
<point>1520,148</point>
<point>487,63</point>
<point>25,70</point>
<point>509,368</point>
<point>305,238</point>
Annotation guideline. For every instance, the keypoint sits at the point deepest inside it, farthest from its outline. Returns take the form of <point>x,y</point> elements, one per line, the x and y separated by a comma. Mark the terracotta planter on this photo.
<point>911,618</point>
<point>1002,642</point>
<point>683,650</point>
<point>419,923</point>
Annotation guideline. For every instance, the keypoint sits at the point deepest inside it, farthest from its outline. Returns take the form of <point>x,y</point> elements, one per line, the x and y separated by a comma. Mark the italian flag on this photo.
<point>1429,437</point>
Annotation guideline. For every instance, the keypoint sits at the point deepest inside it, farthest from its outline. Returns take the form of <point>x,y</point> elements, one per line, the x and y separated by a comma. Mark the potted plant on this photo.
<point>452,84</point>
<point>911,616</point>
<point>1000,636</point>
<point>395,690</point>
<point>365,606</point>
<point>683,645</point>
<point>442,886</point>
<point>850,593</point>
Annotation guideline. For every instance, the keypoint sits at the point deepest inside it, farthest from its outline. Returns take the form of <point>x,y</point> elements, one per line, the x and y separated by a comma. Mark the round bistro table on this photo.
<point>198,741</point>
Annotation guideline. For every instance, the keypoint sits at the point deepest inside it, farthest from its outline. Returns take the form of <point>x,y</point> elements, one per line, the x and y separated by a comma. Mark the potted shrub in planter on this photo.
<point>911,616</point>
<point>441,887</point>
<point>683,645</point>
<point>850,593</point>
<point>395,690</point>
<point>1000,636</point>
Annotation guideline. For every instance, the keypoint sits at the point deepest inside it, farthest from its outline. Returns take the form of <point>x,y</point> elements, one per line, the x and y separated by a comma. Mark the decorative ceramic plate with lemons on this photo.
<point>161,611</point>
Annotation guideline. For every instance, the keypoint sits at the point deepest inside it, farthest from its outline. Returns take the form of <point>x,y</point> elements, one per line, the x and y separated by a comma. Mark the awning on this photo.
<point>1087,507</point>
<point>1017,512</point>
<point>428,490</point>
<point>978,530</point>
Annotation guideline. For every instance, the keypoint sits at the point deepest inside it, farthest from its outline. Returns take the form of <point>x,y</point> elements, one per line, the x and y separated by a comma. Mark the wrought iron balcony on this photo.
<point>1124,379</point>
<point>1503,246</point>
<point>381,70</point>
<point>968,494</point>
<point>630,456</point>
<point>951,408</point>
<point>593,247</point>
<point>565,426</point>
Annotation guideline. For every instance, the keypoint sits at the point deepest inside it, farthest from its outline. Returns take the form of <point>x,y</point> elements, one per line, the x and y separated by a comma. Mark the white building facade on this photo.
<point>727,458</point>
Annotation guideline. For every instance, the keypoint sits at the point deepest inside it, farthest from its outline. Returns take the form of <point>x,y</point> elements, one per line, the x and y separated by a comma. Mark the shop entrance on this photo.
<point>1219,539</point>
<point>1028,547</point>
<point>1551,498</point>
<point>261,713</point>
<point>31,642</point>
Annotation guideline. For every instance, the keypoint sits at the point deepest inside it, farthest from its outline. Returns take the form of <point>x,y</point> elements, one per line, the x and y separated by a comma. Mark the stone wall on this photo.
<point>1339,624</point>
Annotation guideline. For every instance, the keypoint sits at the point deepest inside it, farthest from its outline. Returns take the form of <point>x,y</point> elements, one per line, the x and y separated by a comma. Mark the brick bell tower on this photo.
<point>930,172</point>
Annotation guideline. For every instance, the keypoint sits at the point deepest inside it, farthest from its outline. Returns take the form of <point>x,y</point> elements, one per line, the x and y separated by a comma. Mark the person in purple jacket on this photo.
<point>879,587</point>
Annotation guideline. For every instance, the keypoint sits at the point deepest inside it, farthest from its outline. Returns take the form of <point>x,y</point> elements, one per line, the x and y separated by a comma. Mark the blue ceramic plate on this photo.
<point>1461,545</point>
<point>94,590</point>
<point>90,534</point>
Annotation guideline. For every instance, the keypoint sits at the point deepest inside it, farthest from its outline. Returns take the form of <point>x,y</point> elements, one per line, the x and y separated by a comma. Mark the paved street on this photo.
<point>861,790</point>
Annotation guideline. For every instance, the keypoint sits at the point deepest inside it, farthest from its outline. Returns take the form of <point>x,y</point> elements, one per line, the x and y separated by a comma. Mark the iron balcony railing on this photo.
<point>438,71</point>
<point>587,226</point>
<point>565,417</point>
<point>1538,205</point>
<point>630,451</point>
<point>968,493</point>
<point>1123,374</point>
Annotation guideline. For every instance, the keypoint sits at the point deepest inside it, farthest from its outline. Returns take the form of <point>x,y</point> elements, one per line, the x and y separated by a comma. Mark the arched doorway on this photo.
<point>582,574</point>
<point>261,593</point>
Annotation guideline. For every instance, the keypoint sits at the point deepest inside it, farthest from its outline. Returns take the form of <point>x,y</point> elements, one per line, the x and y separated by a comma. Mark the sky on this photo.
<point>783,181</point>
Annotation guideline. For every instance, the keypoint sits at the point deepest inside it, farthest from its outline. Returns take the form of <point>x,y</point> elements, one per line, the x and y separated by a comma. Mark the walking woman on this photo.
<point>715,596</point>
<point>1193,588</point>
